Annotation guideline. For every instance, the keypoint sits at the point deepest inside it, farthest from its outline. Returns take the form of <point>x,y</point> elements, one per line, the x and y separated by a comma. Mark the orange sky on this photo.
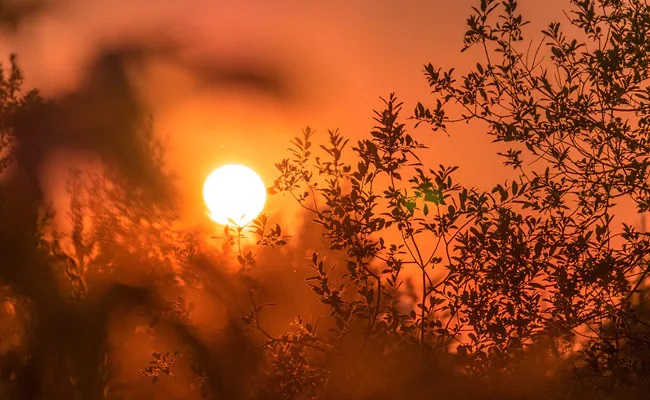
<point>338,57</point>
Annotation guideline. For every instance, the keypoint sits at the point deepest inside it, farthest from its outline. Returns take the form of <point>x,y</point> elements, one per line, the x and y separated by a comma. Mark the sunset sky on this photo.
<point>375,277</point>
<point>334,57</point>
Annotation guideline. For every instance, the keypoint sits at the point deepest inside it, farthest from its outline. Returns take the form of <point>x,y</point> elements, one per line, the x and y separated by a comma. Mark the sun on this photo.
<point>234,194</point>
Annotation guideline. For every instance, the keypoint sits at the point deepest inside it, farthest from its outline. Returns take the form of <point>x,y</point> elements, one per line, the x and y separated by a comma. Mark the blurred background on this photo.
<point>319,63</point>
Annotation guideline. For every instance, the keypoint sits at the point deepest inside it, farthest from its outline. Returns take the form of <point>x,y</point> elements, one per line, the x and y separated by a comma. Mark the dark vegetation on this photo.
<point>427,288</point>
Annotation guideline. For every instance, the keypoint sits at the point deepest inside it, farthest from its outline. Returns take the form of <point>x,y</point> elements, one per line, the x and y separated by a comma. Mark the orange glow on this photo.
<point>234,194</point>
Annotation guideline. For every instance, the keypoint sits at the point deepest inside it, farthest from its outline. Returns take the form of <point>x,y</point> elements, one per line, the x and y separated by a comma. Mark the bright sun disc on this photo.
<point>234,193</point>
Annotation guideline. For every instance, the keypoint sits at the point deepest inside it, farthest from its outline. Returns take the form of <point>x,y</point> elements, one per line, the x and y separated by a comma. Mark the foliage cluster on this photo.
<point>533,268</point>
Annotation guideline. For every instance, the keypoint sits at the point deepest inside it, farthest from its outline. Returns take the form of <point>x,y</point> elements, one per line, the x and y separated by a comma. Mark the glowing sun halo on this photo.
<point>234,193</point>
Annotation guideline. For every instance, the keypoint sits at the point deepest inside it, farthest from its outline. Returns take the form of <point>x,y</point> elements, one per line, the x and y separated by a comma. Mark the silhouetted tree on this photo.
<point>574,112</point>
<point>524,273</point>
